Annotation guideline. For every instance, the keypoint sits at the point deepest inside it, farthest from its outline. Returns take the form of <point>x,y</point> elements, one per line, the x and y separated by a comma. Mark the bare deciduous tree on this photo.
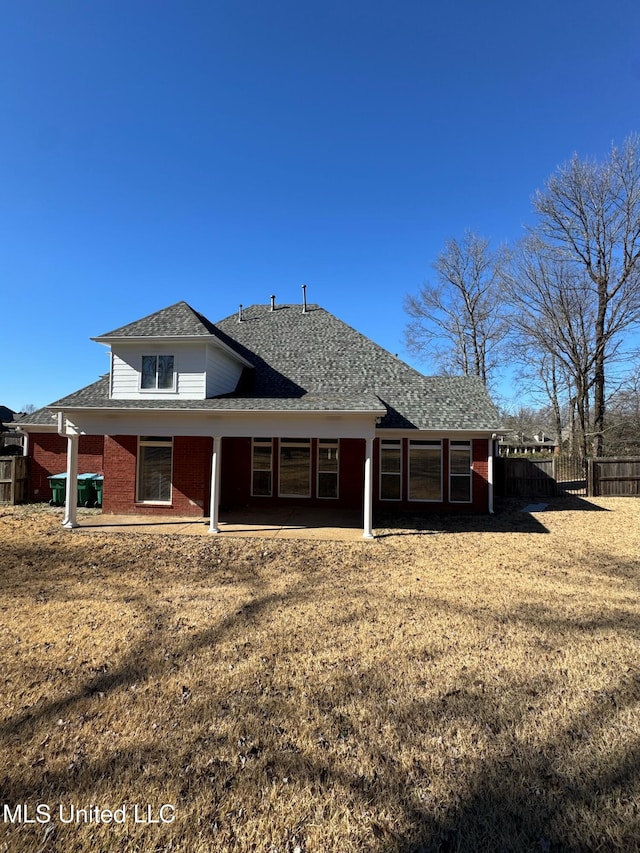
<point>589,218</point>
<point>623,417</point>
<point>552,325</point>
<point>457,322</point>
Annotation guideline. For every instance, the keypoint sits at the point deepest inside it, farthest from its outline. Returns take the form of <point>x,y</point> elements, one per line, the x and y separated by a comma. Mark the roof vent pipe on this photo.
<point>273,302</point>
<point>304,298</point>
<point>240,313</point>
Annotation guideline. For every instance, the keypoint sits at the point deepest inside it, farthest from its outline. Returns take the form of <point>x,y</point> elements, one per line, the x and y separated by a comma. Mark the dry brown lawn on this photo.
<point>471,686</point>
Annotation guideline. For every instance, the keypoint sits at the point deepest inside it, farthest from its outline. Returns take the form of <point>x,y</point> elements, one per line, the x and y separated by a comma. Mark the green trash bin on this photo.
<point>85,486</point>
<point>86,490</point>
<point>98,482</point>
<point>58,484</point>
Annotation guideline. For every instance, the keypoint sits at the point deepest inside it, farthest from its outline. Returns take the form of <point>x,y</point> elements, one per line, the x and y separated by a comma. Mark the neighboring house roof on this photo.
<point>309,361</point>
<point>518,439</point>
<point>7,418</point>
<point>6,414</point>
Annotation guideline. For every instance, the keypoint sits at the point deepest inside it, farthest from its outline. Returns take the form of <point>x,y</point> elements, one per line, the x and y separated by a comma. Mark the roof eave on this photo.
<point>204,410</point>
<point>109,340</point>
<point>122,339</point>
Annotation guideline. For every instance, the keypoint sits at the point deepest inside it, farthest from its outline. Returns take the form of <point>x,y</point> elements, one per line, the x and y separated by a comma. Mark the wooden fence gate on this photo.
<point>13,479</point>
<point>520,477</point>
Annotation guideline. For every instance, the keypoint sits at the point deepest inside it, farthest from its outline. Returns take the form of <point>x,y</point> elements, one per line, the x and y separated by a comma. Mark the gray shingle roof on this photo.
<point>310,362</point>
<point>179,320</point>
<point>318,352</point>
<point>96,396</point>
<point>41,417</point>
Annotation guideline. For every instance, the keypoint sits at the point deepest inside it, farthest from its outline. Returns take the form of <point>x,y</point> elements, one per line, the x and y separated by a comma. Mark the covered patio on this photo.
<point>274,522</point>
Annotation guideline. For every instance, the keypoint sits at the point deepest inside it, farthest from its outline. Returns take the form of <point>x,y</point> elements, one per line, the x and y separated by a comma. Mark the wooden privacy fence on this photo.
<point>520,477</point>
<point>618,477</point>
<point>517,477</point>
<point>13,479</point>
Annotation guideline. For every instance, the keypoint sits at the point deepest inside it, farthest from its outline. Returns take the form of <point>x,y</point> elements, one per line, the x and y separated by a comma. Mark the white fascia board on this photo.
<point>211,412</point>
<point>173,339</point>
<point>221,424</point>
<point>426,434</point>
<point>52,427</point>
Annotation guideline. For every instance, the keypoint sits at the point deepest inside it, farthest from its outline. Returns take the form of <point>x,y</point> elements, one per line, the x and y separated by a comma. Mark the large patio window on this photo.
<point>262,467</point>
<point>155,463</point>
<point>327,468</point>
<point>425,471</point>
<point>460,472</point>
<point>295,468</point>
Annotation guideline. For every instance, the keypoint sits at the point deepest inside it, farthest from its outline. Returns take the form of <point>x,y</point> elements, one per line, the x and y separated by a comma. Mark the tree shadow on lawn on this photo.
<point>564,503</point>
<point>510,516</point>
<point>392,526</point>
<point>536,797</point>
<point>513,796</point>
<point>135,666</point>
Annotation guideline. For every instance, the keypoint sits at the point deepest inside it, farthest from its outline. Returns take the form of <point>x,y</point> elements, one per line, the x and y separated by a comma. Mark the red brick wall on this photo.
<point>48,456</point>
<point>351,492</point>
<point>116,457</point>
<point>480,480</point>
<point>235,473</point>
<point>119,473</point>
<point>191,477</point>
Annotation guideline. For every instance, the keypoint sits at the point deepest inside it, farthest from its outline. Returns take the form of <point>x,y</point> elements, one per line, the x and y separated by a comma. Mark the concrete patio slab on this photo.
<point>282,523</point>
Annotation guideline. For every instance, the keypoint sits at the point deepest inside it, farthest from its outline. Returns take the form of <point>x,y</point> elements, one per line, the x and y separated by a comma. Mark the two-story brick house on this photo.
<point>275,404</point>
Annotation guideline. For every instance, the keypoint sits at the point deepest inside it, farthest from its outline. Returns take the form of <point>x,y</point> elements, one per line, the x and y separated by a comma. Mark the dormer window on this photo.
<point>157,373</point>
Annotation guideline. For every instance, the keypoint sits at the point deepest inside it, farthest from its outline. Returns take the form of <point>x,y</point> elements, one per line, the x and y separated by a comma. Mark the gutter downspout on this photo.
<point>25,442</point>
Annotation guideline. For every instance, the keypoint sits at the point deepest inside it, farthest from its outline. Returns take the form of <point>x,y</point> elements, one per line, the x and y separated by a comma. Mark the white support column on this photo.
<point>71,504</point>
<point>368,490</point>
<point>490,473</point>
<point>215,487</point>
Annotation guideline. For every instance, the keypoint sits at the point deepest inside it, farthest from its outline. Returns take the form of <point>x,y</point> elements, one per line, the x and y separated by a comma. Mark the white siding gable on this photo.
<point>201,370</point>
<point>223,372</point>
<point>188,365</point>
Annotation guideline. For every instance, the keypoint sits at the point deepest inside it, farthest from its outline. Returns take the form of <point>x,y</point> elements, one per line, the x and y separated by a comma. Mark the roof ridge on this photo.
<point>377,346</point>
<point>142,322</point>
<point>312,307</point>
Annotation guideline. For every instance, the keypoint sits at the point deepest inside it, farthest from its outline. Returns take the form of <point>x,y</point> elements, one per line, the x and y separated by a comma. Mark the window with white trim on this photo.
<point>295,468</point>
<point>425,471</point>
<point>157,373</point>
<point>155,465</point>
<point>262,467</point>
<point>460,471</point>
<point>328,467</point>
<point>390,469</point>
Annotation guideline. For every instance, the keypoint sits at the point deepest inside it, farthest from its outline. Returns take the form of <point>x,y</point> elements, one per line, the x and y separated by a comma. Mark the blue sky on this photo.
<point>219,152</point>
